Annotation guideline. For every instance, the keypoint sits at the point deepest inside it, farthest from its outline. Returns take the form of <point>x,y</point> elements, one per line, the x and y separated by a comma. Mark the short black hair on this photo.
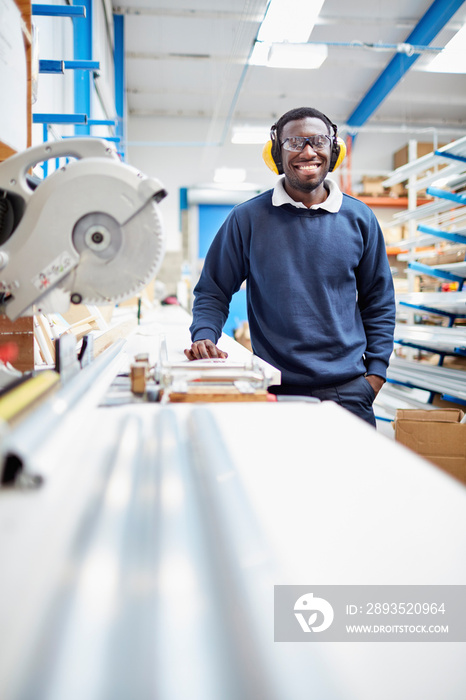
<point>302,113</point>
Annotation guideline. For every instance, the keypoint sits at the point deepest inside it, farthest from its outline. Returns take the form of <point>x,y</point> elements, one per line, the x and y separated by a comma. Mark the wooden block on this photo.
<point>45,326</point>
<point>23,397</point>
<point>5,151</point>
<point>122,330</point>
<point>107,312</point>
<point>77,313</point>
<point>218,394</point>
<point>138,377</point>
<point>142,357</point>
<point>21,325</point>
<point>81,329</point>
<point>146,294</point>
<point>21,333</point>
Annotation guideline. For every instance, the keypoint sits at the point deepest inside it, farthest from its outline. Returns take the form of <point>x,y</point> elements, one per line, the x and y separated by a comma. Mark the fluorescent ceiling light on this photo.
<point>250,134</point>
<point>453,57</point>
<point>285,21</point>
<point>230,175</point>
<point>289,20</point>
<point>305,56</point>
<point>260,54</point>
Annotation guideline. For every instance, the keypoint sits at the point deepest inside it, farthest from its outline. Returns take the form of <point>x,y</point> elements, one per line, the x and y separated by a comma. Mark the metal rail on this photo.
<point>423,376</point>
<point>436,339</point>
<point>167,581</point>
<point>425,162</point>
<point>18,446</point>
<point>453,302</point>
<point>426,210</point>
<point>244,571</point>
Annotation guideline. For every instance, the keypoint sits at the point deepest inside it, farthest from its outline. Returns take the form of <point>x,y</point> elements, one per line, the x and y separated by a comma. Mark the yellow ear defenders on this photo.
<point>271,153</point>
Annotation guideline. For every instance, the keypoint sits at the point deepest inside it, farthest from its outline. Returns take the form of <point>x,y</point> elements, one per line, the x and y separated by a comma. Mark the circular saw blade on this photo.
<point>116,262</point>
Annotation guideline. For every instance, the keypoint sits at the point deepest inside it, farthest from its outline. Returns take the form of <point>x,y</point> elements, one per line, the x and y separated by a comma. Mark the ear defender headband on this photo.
<point>271,153</point>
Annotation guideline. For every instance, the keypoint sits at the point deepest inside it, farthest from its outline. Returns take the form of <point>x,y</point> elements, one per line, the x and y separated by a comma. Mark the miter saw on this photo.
<point>89,233</point>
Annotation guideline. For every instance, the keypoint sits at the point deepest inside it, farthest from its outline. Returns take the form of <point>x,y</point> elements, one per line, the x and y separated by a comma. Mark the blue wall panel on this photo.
<point>211,217</point>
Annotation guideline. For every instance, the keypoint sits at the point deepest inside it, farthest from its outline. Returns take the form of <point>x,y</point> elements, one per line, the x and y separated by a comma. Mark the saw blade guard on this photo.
<point>92,229</point>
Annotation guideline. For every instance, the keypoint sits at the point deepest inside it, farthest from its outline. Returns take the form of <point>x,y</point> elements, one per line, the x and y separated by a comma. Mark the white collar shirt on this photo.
<point>332,203</point>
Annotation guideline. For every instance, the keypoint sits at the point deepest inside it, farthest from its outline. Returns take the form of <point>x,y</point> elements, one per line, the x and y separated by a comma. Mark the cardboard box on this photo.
<point>401,156</point>
<point>436,435</point>
<point>398,190</point>
<point>392,234</point>
<point>451,254</point>
<point>372,186</point>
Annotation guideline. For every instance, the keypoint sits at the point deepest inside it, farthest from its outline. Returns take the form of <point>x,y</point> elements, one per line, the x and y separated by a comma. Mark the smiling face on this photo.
<point>306,171</point>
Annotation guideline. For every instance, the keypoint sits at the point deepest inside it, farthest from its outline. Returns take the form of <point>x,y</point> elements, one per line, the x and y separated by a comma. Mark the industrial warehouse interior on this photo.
<point>232,350</point>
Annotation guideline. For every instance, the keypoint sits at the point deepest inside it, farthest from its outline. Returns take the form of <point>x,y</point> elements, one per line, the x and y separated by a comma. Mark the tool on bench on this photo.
<point>211,380</point>
<point>89,233</point>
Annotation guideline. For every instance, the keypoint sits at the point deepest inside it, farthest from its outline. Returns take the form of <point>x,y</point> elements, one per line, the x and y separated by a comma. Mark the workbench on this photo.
<point>143,567</point>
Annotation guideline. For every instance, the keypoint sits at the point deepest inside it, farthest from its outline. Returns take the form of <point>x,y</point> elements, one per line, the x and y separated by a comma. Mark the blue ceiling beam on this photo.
<point>436,17</point>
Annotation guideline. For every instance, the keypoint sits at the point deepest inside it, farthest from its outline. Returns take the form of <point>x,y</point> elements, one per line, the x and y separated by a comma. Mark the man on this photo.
<point>319,290</point>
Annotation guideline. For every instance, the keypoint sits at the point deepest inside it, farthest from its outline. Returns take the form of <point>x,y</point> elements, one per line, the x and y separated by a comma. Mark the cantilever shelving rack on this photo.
<point>440,224</point>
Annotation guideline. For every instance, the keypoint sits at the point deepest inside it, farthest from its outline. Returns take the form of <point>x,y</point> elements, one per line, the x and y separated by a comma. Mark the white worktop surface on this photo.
<point>335,503</point>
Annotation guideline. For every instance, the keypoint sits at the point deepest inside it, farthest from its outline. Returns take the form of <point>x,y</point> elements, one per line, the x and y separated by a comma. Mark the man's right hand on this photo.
<point>204,350</point>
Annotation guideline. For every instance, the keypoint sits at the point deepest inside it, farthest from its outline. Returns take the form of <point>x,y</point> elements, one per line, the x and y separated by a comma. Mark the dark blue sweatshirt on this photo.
<point>320,294</point>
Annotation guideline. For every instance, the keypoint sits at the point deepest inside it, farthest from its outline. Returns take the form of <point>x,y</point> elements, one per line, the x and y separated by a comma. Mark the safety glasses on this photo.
<point>297,143</point>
